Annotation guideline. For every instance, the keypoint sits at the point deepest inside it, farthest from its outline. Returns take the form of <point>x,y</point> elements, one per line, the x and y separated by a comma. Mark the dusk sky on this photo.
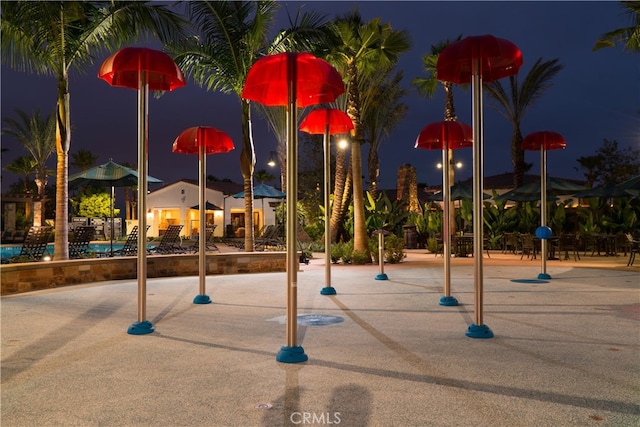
<point>595,97</point>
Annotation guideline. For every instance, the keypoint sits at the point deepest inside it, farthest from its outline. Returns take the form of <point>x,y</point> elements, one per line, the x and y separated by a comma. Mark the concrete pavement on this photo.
<point>381,353</point>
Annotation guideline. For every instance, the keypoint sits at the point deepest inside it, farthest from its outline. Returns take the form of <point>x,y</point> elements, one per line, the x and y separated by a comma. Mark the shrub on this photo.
<point>360,257</point>
<point>336,252</point>
<point>394,249</point>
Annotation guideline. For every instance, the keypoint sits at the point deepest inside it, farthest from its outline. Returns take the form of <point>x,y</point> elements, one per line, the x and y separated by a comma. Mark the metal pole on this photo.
<point>543,206</point>
<point>446,226</point>
<point>292,193</point>
<point>142,326</point>
<point>112,214</point>
<point>328,289</point>
<point>202,256</point>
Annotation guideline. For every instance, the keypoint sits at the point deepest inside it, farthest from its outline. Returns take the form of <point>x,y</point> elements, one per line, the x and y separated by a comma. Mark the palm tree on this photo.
<point>628,37</point>
<point>382,111</point>
<point>361,49</point>
<point>25,166</point>
<point>427,86</point>
<point>56,37</point>
<point>230,37</point>
<point>37,135</point>
<point>83,159</point>
<point>514,105</point>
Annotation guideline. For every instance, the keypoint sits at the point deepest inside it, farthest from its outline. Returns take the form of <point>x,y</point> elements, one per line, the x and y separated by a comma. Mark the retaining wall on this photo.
<point>31,276</point>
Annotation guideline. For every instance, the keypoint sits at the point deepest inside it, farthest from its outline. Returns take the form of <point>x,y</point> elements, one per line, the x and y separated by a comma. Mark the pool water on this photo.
<point>8,251</point>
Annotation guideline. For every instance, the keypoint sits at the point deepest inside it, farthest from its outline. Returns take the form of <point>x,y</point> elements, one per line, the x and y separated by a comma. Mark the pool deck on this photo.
<point>565,351</point>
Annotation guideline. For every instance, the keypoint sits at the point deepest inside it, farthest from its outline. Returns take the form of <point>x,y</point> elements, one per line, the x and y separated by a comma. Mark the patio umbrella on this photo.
<point>110,174</point>
<point>202,140</point>
<point>207,207</point>
<point>292,79</point>
<point>606,191</point>
<point>142,69</point>
<point>632,185</point>
<point>327,121</point>
<point>445,136</point>
<point>543,141</point>
<point>478,60</point>
<point>531,192</point>
<point>459,191</point>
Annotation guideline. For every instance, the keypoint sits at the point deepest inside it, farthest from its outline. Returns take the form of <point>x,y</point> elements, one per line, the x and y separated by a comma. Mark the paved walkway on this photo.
<point>565,353</point>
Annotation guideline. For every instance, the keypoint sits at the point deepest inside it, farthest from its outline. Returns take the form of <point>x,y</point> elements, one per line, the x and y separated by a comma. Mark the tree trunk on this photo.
<point>247,164</point>
<point>63,141</point>
<point>338,191</point>
<point>517,156</point>
<point>360,238</point>
<point>373,164</point>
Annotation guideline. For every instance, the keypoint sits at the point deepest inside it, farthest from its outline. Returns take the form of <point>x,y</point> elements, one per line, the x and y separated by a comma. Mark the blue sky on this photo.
<point>596,96</point>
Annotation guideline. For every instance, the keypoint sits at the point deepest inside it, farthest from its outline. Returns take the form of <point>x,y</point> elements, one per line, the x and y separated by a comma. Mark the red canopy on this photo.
<point>316,121</point>
<point>498,58</point>
<point>213,140</point>
<point>433,136</point>
<point>543,140</point>
<point>316,81</point>
<point>122,69</point>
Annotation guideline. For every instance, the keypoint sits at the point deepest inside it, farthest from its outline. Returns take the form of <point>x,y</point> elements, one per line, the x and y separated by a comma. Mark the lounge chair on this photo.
<point>130,247</point>
<point>170,242</point>
<point>35,244</point>
<point>79,241</point>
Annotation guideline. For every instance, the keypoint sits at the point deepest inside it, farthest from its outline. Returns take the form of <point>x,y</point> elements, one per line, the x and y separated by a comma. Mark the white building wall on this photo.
<point>182,195</point>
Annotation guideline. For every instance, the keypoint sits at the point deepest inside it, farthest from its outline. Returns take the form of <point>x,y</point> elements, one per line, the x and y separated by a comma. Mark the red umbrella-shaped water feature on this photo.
<point>543,141</point>
<point>445,136</point>
<point>142,69</point>
<point>202,140</point>
<point>292,80</point>
<point>327,121</point>
<point>478,59</point>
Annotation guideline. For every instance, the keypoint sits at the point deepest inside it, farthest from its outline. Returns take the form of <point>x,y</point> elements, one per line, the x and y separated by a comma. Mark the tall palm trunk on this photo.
<point>517,156</point>
<point>360,238</point>
<point>338,192</point>
<point>247,165</point>
<point>374,172</point>
<point>450,116</point>
<point>63,140</point>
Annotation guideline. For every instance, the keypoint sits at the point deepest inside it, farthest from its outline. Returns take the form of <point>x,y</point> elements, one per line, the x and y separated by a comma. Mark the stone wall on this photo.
<point>31,276</point>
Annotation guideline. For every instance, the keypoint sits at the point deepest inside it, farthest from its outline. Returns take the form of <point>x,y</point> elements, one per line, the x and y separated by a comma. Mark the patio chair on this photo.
<point>170,242</point>
<point>130,247</point>
<point>210,244</point>
<point>566,243</point>
<point>35,243</point>
<point>79,241</point>
<point>633,249</point>
<point>528,246</point>
<point>510,243</point>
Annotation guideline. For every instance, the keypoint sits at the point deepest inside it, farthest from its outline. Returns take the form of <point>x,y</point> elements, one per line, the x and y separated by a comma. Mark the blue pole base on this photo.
<point>328,290</point>
<point>140,328</point>
<point>202,299</point>
<point>479,331</point>
<point>544,276</point>
<point>382,277</point>
<point>448,301</point>
<point>291,355</point>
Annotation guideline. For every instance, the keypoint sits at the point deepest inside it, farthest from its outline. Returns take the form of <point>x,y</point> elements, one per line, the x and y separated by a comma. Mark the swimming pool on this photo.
<point>8,251</point>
